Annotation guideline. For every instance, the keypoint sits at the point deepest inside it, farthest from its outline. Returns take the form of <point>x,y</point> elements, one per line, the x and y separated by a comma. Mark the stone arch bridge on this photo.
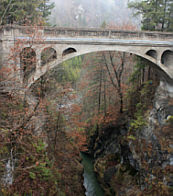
<point>51,46</point>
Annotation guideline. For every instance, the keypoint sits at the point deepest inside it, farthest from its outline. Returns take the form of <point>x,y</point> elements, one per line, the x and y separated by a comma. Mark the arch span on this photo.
<point>84,49</point>
<point>152,53</point>
<point>27,62</point>
<point>69,51</point>
<point>167,58</point>
<point>47,55</point>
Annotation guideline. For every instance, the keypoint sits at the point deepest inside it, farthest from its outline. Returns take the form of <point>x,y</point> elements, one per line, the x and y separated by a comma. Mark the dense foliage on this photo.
<point>157,15</point>
<point>24,11</point>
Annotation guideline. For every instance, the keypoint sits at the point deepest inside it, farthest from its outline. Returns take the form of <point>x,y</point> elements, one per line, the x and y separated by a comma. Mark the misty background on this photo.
<point>92,13</point>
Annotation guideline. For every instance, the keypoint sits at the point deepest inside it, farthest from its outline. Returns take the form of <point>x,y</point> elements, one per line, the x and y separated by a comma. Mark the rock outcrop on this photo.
<point>142,163</point>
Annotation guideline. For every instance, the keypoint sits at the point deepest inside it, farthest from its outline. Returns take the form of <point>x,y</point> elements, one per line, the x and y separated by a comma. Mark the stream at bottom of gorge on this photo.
<point>91,184</point>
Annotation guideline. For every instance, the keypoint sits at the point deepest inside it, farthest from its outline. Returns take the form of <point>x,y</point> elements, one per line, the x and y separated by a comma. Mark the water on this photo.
<point>90,181</point>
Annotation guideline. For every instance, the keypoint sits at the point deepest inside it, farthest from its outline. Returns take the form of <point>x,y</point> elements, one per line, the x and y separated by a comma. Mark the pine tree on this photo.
<point>170,17</point>
<point>24,11</point>
<point>156,14</point>
<point>45,7</point>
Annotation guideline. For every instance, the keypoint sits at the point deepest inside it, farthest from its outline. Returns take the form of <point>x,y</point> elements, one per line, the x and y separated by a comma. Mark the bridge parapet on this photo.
<point>24,31</point>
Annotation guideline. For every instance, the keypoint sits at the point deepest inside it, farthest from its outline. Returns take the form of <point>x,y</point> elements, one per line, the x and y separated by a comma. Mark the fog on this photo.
<point>92,13</point>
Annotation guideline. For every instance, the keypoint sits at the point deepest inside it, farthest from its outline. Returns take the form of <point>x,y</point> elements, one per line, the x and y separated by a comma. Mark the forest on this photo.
<point>105,115</point>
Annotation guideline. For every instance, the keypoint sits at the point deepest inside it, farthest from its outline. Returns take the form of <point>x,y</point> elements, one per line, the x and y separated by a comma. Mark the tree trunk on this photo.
<point>100,89</point>
<point>105,102</point>
<point>149,73</point>
<point>164,15</point>
<point>121,102</point>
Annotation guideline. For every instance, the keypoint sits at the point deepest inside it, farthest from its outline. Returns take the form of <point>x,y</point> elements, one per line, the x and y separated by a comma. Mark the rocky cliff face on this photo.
<point>142,163</point>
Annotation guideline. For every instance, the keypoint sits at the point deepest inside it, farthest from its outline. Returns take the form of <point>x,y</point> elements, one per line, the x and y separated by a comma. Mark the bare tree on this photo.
<point>114,63</point>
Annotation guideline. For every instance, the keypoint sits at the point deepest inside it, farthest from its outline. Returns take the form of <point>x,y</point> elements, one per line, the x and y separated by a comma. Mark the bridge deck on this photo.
<point>83,32</point>
<point>99,41</point>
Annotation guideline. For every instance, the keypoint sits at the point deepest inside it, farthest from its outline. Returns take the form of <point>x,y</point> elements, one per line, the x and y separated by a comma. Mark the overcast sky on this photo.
<point>91,13</point>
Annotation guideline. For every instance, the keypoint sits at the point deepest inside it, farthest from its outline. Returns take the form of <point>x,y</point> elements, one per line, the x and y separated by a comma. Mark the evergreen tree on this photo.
<point>45,7</point>
<point>156,14</point>
<point>24,11</point>
<point>170,17</point>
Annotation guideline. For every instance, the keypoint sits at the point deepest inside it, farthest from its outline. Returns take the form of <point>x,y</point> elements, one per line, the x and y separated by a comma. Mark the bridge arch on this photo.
<point>69,51</point>
<point>27,62</point>
<point>167,58</point>
<point>48,55</point>
<point>152,53</point>
<point>146,52</point>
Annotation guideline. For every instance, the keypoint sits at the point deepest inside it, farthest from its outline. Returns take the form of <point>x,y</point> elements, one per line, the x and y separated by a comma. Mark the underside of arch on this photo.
<point>48,55</point>
<point>27,62</point>
<point>151,58</point>
<point>69,51</point>
<point>80,51</point>
<point>167,58</point>
<point>152,53</point>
